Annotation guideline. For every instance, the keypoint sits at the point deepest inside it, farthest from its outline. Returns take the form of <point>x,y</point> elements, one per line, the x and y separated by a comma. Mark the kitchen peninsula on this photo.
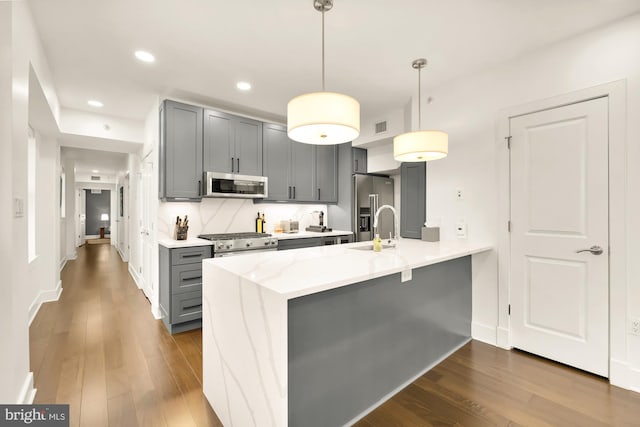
<point>321,336</point>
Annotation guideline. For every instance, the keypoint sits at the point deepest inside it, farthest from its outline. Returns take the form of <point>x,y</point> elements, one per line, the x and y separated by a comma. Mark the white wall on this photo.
<point>75,122</point>
<point>20,49</point>
<point>468,110</point>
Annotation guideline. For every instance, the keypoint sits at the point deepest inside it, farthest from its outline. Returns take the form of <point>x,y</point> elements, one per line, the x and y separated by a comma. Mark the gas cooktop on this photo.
<point>236,242</point>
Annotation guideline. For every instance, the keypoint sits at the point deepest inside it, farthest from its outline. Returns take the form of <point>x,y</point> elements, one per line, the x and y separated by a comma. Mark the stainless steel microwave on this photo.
<point>239,186</point>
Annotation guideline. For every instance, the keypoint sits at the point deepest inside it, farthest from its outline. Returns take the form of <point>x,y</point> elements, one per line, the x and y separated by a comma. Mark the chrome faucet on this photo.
<point>396,222</point>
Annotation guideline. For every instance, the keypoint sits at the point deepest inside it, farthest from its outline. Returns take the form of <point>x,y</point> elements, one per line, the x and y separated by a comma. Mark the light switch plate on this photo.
<point>18,207</point>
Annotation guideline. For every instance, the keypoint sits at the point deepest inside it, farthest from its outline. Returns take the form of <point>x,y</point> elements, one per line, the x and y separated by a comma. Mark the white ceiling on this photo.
<point>86,161</point>
<point>203,47</point>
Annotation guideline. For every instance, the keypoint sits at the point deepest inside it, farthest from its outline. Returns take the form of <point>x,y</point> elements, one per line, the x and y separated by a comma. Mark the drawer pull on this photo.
<point>192,306</point>
<point>191,255</point>
<point>185,279</point>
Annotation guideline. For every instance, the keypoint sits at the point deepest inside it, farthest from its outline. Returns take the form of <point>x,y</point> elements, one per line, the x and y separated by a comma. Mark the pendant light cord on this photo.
<point>323,49</point>
<point>419,101</point>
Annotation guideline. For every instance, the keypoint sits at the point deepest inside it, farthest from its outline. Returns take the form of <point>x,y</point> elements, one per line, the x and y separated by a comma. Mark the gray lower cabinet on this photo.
<point>308,242</point>
<point>298,172</point>
<point>180,152</point>
<point>359,160</point>
<point>413,186</point>
<point>181,287</point>
<point>232,144</point>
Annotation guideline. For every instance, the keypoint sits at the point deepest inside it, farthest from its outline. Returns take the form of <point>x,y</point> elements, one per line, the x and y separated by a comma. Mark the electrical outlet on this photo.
<point>634,326</point>
<point>459,194</point>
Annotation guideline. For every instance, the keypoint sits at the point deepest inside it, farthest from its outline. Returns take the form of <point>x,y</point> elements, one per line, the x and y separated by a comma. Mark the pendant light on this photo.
<point>323,118</point>
<point>420,145</point>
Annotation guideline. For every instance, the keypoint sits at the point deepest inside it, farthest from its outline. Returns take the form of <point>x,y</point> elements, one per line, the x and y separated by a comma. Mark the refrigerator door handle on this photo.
<point>373,207</point>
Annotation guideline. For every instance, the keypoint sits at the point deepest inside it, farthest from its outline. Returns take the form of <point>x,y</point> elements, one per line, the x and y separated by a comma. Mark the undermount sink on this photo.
<point>370,247</point>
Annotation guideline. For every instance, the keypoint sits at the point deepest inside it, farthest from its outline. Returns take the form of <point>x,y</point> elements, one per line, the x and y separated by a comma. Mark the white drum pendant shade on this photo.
<point>421,146</point>
<point>323,118</point>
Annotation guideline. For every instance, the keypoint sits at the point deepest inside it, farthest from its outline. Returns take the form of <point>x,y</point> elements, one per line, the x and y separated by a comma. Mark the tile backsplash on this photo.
<point>218,215</point>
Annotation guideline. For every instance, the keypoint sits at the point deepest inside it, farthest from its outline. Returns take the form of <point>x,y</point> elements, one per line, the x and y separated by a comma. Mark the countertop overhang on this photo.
<point>296,273</point>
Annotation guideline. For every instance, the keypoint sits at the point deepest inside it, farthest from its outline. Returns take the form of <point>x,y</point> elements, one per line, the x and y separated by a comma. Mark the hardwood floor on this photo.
<point>100,350</point>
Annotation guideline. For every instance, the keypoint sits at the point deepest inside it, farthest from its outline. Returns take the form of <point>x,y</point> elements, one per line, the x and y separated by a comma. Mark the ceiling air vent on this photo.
<point>381,127</point>
<point>95,178</point>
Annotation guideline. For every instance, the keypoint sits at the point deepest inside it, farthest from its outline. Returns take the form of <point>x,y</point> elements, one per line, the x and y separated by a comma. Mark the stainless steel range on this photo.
<point>227,244</point>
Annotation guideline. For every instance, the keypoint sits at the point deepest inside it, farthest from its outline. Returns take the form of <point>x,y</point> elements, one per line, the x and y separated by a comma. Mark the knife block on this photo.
<point>180,233</point>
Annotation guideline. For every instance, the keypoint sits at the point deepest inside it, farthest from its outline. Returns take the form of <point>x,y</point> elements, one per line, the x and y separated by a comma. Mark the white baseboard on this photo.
<point>63,262</point>
<point>42,297</point>
<point>27,392</point>
<point>157,313</point>
<point>135,276</point>
<point>622,375</point>
<point>503,338</point>
<point>71,256</point>
<point>486,334</point>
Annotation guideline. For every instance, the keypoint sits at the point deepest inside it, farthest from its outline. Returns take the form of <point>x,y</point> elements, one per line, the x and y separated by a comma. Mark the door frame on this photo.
<point>616,93</point>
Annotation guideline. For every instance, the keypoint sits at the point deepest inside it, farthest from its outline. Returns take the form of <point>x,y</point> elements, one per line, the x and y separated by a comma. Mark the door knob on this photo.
<point>595,250</point>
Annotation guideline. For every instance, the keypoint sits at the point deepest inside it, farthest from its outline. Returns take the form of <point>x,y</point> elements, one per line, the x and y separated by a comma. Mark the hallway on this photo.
<point>100,350</point>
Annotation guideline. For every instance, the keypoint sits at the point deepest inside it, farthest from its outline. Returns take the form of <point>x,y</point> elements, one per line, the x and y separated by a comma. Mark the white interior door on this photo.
<point>81,206</point>
<point>145,228</point>
<point>559,206</point>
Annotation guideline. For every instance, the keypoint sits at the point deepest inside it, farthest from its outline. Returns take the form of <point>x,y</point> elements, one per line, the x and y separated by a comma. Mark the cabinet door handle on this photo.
<point>238,168</point>
<point>294,191</point>
<point>356,164</point>
<point>200,188</point>
<point>318,194</point>
<point>232,164</point>
<point>289,194</point>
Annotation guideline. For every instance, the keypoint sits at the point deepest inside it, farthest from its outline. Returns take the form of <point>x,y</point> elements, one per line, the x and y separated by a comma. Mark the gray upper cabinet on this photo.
<point>276,153</point>
<point>232,144</point>
<point>298,172</point>
<point>412,199</point>
<point>359,160</point>
<point>180,168</point>
<point>327,173</point>
<point>302,172</point>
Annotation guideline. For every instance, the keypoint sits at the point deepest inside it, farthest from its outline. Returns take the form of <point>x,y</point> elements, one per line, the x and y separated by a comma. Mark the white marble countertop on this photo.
<point>293,274</point>
<point>302,234</point>
<point>170,243</point>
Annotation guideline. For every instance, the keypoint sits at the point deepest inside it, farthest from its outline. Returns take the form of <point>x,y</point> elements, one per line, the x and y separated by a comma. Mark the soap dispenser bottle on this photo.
<point>377,243</point>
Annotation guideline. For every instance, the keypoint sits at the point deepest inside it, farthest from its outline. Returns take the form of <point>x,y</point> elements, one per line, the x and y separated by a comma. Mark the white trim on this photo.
<point>63,263</point>
<point>616,93</point>
<point>405,384</point>
<point>484,333</point>
<point>157,313</point>
<point>622,374</point>
<point>137,279</point>
<point>42,297</point>
<point>71,256</point>
<point>27,392</point>
<point>504,338</point>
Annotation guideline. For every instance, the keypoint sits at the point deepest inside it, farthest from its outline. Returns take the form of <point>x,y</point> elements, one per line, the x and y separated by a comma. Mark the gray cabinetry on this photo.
<point>302,172</point>
<point>359,160</point>
<point>181,287</point>
<point>298,172</point>
<point>413,199</point>
<point>232,144</point>
<point>327,173</point>
<point>180,168</point>
<point>308,242</point>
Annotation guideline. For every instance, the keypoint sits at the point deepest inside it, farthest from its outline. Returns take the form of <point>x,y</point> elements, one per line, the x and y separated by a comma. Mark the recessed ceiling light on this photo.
<point>145,56</point>
<point>243,85</point>
<point>95,103</point>
<point>95,171</point>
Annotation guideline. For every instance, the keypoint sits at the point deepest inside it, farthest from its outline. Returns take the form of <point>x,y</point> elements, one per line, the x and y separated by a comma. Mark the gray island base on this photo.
<point>352,348</point>
<point>322,336</point>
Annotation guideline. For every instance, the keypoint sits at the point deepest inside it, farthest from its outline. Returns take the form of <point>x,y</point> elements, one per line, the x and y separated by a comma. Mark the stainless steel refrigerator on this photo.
<point>369,193</point>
